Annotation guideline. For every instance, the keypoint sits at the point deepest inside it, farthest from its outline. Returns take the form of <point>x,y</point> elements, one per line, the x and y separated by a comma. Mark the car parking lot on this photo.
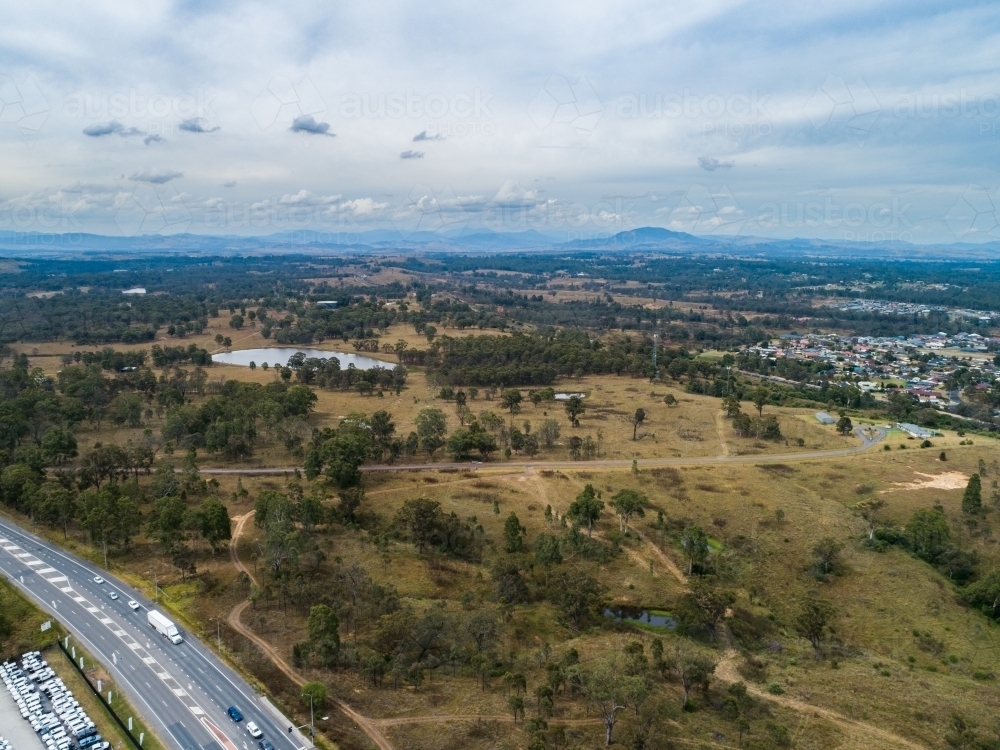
<point>45,713</point>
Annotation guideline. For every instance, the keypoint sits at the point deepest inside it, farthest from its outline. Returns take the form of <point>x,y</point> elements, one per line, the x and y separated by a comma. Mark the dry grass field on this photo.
<point>903,658</point>
<point>879,674</point>
<point>693,427</point>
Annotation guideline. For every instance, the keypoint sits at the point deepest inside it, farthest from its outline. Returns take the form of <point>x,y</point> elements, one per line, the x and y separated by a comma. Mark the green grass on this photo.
<point>99,710</point>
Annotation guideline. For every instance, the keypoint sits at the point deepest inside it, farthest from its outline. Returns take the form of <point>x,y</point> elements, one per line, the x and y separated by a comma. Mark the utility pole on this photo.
<point>656,341</point>
<point>218,632</point>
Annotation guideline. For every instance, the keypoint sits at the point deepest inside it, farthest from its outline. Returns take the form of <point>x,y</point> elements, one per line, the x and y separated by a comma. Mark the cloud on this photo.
<point>412,155</point>
<point>153,138</point>
<point>198,125</point>
<point>110,128</point>
<point>329,206</point>
<point>422,136</point>
<point>229,183</point>
<point>512,194</point>
<point>711,163</point>
<point>308,124</point>
<point>155,176</point>
<point>306,198</point>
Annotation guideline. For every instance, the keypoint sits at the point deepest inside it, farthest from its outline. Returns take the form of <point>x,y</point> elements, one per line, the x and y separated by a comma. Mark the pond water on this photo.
<point>652,617</point>
<point>278,355</point>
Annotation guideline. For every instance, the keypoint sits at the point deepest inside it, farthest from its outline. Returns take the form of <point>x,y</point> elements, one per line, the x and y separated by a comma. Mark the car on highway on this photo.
<point>265,745</point>
<point>234,713</point>
<point>134,605</point>
<point>254,730</point>
<point>98,579</point>
<point>113,596</point>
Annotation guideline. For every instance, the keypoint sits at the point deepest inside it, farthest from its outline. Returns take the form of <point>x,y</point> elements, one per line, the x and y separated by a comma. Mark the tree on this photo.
<point>382,428</point>
<point>58,445</point>
<point>318,692</point>
<point>421,519</point>
<point>215,524</point>
<point>813,621</point>
<point>760,398</point>
<point>324,634</point>
<point>127,409</point>
<point>576,594</point>
<point>637,419</point>
<point>586,509</point>
<point>607,686</point>
<point>431,428</point>
<point>869,510</point>
<point>694,541</point>
<point>549,432</point>
<point>704,606</point>
<point>984,594</point>
<point>57,506</point>
<point>350,501</point>
<point>574,408</point>
<point>516,705</point>
<point>692,670</point>
<point>628,503</point>
<point>166,522</point>
<point>513,534</point>
<point>844,425</point>
<point>731,404</point>
<point>827,555</point>
<point>511,400</point>
<point>547,552</point>
<point>972,499</point>
<point>928,534</point>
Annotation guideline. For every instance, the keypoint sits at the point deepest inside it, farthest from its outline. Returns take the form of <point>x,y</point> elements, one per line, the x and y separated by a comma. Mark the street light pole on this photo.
<point>312,719</point>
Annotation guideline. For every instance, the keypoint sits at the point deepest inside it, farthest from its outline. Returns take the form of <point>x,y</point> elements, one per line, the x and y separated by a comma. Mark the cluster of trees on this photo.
<point>227,423</point>
<point>167,356</point>
<point>327,373</point>
<point>746,425</point>
<point>928,535</point>
<point>537,359</point>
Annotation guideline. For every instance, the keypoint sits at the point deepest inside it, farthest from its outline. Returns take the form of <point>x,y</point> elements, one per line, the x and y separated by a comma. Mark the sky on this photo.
<point>863,121</point>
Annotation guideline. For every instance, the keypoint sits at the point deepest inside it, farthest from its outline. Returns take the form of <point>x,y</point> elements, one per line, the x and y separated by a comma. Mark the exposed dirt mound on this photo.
<point>949,480</point>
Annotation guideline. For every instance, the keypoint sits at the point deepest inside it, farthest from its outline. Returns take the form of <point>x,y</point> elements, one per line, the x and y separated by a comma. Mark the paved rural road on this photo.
<point>867,441</point>
<point>182,691</point>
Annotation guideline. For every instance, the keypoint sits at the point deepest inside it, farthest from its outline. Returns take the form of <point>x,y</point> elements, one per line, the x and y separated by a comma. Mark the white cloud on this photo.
<point>154,175</point>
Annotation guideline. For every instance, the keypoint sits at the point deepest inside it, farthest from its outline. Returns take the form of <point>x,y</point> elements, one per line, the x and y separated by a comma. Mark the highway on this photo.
<point>181,691</point>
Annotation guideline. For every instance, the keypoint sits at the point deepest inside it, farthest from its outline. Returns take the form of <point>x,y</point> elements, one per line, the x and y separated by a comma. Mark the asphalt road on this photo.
<point>867,441</point>
<point>182,691</point>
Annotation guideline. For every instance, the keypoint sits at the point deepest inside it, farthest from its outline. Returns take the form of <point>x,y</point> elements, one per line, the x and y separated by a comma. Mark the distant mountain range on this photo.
<point>643,239</point>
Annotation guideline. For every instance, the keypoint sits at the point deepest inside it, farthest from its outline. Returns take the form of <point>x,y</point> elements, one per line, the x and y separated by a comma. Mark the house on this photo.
<point>915,431</point>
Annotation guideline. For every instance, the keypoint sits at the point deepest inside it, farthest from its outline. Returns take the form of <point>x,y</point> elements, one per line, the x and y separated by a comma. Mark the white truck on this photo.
<point>163,626</point>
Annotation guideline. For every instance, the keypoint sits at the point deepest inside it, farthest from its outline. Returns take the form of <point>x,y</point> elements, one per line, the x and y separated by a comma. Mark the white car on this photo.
<point>98,579</point>
<point>114,596</point>
<point>254,730</point>
<point>134,605</point>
